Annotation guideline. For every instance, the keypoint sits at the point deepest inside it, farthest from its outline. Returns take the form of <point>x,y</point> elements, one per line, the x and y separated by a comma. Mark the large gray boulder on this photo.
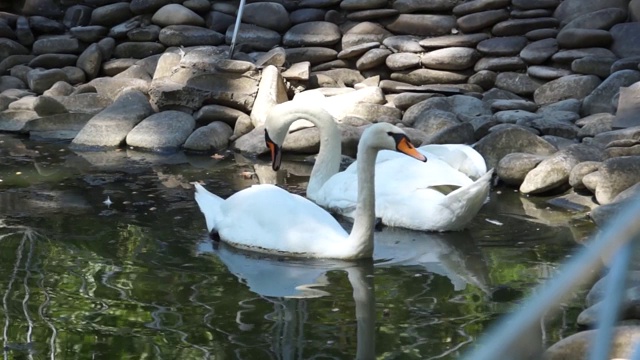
<point>110,127</point>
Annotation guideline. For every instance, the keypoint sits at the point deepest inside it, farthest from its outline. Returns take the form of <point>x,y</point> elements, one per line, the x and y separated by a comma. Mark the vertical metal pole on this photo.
<point>610,309</point>
<point>236,27</point>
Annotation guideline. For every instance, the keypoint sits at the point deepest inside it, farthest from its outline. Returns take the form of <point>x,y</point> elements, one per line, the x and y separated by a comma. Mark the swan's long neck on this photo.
<point>328,160</point>
<point>364,220</point>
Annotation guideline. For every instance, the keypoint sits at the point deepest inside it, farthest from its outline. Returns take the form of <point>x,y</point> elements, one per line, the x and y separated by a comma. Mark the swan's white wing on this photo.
<point>406,197</point>
<point>269,219</point>
<point>460,157</point>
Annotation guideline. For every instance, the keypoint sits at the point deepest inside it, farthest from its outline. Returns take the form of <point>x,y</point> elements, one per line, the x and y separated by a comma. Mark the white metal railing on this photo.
<point>510,338</point>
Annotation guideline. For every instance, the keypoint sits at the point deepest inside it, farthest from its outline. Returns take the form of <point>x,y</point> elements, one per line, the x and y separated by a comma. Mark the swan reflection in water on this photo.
<point>288,282</point>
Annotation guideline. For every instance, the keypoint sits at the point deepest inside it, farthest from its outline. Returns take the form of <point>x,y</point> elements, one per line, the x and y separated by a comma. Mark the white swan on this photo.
<point>268,219</point>
<point>431,196</point>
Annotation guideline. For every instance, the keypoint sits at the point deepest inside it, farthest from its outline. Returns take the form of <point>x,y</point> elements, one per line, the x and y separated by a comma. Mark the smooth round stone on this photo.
<point>416,6</point>
<point>402,61</point>
<point>539,51</point>
<point>51,61</point>
<point>254,36</point>
<point>528,14</point>
<point>356,5</point>
<point>89,34</point>
<point>315,33</point>
<point>165,130</point>
<point>567,56</point>
<point>514,104</point>
<point>225,7</point>
<point>332,64</point>
<point>363,33</point>
<point>115,66</point>
<point>453,58</point>
<point>422,24</point>
<point>269,15</point>
<point>198,6</point>
<point>571,9</point>
<point>372,58</point>
<point>90,60</point>
<point>146,33</point>
<point>176,14</point>
<point>188,35</point>
<point>335,17</point>
<point>470,7</point>
<point>43,25</point>
<point>147,6</point>
<point>357,50</point>
<point>6,31</point>
<point>593,65</point>
<point>120,31</point>
<point>110,15</point>
<point>137,50</point>
<point>77,15</point>
<point>218,21</point>
<point>513,63</point>
<point>602,19</point>
<point>23,32</point>
<point>306,15</point>
<point>75,75</point>
<point>373,14</point>
<point>628,63</point>
<point>540,34</point>
<point>213,137</point>
<point>314,55</point>
<point>482,20</point>
<point>210,113</point>
<point>484,78</point>
<point>536,4</point>
<point>547,72</point>
<point>403,43</point>
<point>522,26</point>
<point>318,3</point>
<point>566,87</point>
<point>60,44</point>
<point>517,83</point>
<point>464,40</point>
<point>626,39</point>
<point>428,76</point>
<point>581,38</point>
<point>502,46</point>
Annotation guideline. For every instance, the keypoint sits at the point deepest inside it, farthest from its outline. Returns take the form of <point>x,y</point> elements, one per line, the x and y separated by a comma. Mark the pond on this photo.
<point>138,276</point>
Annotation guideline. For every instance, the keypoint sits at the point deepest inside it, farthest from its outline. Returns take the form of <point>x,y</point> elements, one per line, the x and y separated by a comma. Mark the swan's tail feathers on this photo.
<point>209,204</point>
<point>466,201</point>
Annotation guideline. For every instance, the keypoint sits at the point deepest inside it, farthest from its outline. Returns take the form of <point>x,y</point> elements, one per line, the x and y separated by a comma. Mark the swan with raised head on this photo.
<point>268,219</point>
<point>430,196</point>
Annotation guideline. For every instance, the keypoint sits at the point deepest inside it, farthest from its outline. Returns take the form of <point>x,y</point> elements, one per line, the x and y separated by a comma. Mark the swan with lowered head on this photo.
<point>408,194</point>
<point>268,219</point>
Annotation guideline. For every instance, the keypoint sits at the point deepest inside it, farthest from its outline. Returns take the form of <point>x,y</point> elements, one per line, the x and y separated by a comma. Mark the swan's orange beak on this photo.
<point>405,146</point>
<point>276,153</point>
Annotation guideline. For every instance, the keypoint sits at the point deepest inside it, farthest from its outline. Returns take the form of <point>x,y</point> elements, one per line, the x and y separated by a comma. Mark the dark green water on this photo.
<point>140,279</point>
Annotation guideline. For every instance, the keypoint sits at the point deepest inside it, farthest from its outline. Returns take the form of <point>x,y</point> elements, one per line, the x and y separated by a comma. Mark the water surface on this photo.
<point>140,278</point>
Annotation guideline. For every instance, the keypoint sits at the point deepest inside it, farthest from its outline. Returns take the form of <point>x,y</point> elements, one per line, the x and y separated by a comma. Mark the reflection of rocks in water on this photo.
<point>266,175</point>
<point>172,181</point>
<point>147,158</point>
<point>543,213</point>
<point>31,202</point>
<point>13,146</point>
<point>104,160</point>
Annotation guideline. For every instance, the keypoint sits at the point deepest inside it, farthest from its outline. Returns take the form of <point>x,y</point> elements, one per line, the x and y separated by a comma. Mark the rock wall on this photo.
<point>546,89</point>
